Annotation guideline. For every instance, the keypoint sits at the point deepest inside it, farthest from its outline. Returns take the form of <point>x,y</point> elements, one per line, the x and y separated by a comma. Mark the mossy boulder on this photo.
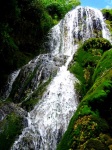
<point>85,61</point>
<point>90,126</point>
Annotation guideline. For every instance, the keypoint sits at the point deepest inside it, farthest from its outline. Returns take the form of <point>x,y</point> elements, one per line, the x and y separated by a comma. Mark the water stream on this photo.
<point>49,119</point>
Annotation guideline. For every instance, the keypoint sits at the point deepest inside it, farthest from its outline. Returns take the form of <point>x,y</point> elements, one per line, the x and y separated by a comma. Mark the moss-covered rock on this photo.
<point>95,144</point>
<point>98,43</point>
<point>10,128</point>
<point>36,96</point>
<point>86,60</point>
<point>90,127</point>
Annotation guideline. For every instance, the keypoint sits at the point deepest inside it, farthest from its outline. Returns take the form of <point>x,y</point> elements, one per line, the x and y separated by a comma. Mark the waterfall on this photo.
<point>8,87</point>
<point>49,119</point>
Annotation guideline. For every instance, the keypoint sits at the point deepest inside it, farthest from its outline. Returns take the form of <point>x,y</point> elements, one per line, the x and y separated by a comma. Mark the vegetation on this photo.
<point>23,27</point>
<point>91,125</point>
<point>29,103</point>
<point>57,9</point>
<point>10,127</point>
<point>108,16</point>
<point>85,61</point>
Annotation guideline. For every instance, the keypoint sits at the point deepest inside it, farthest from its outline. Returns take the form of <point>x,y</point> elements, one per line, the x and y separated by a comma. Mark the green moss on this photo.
<point>31,18</point>
<point>98,43</point>
<point>16,86</point>
<point>36,96</point>
<point>95,144</point>
<point>104,64</point>
<point>109,25</point>
<point>86,60</point>
<point>93,115</point>
<point>10,128</point>
<point>82,129</point>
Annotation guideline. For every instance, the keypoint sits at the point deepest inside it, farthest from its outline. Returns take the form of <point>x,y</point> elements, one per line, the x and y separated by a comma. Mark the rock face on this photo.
<point>36,72</point>
<point>10,108</point>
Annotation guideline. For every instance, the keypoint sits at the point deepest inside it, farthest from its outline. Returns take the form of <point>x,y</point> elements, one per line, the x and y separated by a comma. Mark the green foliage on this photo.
<point>16,49</point>
<point>87,122</point>
<point>86,61</point>
<point>65,5</point>
<point>93,115</point>
<point>99,43</point>
<point>95,144</point>
<point>77,69</point>
<point>99,95</point>
<point>10,128</point>
<point>100,98</point>
<point>33,18</point>
<point>16,88</point>
<point>104,64</point>
<point>107,14</point>
<point>57,9</point>
<point>109,25</point>
<point>85,111</point>
<point>81,129</point>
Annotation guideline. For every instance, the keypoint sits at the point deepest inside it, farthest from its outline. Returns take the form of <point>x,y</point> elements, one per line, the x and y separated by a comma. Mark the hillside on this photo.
<point>64,81</point>
<point>90,127</point>
<point>24,27</point>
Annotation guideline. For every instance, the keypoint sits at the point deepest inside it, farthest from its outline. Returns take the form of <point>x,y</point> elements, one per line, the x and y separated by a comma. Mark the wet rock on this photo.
<point>8,108</point>
<point>37,71</point>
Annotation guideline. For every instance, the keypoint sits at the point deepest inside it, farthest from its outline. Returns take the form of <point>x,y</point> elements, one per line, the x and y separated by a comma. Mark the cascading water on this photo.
<point>8,87</point>
<point>50,117</point>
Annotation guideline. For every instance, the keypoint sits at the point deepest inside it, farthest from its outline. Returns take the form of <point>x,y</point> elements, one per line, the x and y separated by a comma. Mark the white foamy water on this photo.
<point>48,121</point>
<point>50,117</point>
<point>12,77</point>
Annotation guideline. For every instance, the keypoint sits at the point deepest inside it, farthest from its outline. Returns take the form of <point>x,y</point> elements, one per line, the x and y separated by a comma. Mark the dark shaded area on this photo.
<point>23,27</point>
<point>11,127</point>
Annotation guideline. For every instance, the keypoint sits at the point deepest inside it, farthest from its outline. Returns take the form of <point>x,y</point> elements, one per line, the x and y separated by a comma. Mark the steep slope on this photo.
<point>42,93</point>
<point>90,127</point>
<point>24,25</point>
